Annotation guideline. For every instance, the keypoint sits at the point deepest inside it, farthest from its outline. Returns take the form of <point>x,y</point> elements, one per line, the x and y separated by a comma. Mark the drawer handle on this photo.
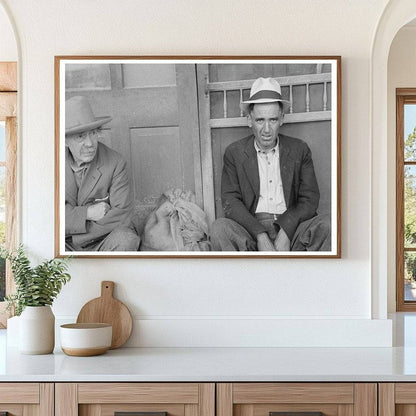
<point>296,414</point>
<point>138,414</point>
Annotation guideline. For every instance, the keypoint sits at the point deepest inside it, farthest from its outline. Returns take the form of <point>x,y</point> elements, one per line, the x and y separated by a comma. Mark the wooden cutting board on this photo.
<point>107,309</point>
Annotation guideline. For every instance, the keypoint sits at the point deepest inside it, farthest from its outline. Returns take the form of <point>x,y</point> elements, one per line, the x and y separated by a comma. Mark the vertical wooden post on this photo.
<point>47,399</point>
<point>207,399</point>
<point>386,399</point>
<point>225,104</point>
<point>224,399</point>
<point>189,130</point>
<point>206,143</point>
<point>66,399</point>
<point>365,403</point>
<point>241,100</point>
<point>291,98</point>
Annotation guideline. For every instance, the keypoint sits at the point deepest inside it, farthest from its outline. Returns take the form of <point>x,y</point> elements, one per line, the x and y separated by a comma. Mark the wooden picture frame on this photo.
<point>171,120</point>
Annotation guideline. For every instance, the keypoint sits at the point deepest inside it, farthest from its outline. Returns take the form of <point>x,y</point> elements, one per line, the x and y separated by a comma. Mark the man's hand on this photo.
<point>264,243</point>
<point>282,242</point>
<point>97,211</point>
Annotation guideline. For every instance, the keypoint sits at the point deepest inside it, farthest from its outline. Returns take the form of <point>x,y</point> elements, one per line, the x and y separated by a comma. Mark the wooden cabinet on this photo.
<point>27,399</point>
<point>208,399</point>
<point>105,399</point>
<point>262,399</point>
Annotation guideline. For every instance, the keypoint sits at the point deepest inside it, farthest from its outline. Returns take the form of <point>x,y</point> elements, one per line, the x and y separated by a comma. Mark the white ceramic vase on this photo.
<point>37,330</point>
<point>13,331</point>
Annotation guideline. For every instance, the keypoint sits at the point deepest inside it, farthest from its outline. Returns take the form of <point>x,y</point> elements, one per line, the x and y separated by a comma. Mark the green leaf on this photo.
<point>35,286</point>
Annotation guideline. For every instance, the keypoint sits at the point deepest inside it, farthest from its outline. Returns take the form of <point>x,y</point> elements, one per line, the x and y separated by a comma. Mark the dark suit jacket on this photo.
<point>240,184</point>
<point>106,176</point>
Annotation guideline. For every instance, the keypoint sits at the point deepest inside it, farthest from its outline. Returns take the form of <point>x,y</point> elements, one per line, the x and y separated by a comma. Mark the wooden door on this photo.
<point>154,125</point>
<point>297,399</point>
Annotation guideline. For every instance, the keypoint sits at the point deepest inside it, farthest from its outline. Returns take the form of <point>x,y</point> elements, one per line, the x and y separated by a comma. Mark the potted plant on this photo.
<point>36,289</point>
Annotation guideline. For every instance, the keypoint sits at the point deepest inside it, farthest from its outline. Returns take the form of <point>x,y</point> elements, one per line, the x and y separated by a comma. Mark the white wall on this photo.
<point>179,302</point>
<point>8,47</point>
<point>401,74</point>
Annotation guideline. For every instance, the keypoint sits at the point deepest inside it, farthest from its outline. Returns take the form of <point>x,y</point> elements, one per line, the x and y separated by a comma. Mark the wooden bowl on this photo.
<point>84,340</point>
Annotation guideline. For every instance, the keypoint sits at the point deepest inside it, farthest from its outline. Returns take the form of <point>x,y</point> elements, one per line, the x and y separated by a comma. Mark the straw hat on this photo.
<point>79,117</point>
<point>264,90</point>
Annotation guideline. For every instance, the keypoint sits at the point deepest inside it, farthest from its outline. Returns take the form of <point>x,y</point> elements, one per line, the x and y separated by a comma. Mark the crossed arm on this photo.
<point>91,222</point>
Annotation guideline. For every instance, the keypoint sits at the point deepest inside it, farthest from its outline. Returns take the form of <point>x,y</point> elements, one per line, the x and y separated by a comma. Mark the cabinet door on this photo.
<point>397,399</point>
<point>152,399</point>
<point>296,399</point>
<point>26,399</point>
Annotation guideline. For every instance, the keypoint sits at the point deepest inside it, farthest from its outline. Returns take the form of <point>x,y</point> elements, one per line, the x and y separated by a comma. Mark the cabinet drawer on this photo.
<point>296,399</point>
<point>138,393</point>
<point>106,399</point>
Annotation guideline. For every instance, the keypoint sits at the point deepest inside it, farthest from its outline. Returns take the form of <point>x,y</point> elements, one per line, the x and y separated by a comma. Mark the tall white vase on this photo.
<point>13,331</point>
<point>37,330</point>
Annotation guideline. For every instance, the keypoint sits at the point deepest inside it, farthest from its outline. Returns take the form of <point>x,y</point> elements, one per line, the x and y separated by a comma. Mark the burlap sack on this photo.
<point>177,224</point>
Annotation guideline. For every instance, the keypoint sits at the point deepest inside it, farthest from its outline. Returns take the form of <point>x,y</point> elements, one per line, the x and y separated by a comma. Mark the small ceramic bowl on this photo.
<point>83,340</point>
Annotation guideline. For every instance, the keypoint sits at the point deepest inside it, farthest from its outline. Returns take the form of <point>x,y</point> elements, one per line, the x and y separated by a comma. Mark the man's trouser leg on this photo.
<point>228,235</point>
<point>120,239</point>
<point>313,235</point>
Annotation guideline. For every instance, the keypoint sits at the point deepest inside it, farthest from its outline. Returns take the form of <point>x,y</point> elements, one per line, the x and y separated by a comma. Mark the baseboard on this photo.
<point>259,332</point>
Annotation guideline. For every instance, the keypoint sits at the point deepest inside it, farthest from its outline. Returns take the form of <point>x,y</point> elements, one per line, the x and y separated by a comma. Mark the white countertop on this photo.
<point>213,364</point>
<point>222,364</point>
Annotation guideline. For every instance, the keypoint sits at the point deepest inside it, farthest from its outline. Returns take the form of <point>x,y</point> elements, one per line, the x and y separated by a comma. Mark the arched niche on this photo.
<point>401,73</point>
<point>396,14</point>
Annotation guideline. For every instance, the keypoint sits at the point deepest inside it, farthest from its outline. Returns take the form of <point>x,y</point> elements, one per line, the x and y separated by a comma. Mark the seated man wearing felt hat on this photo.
<point>268,187</point>
<point>98,198</point>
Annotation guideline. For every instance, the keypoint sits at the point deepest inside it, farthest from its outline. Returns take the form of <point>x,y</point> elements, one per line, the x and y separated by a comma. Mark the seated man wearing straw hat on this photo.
<point>268,187</point>
<point>98,198</point>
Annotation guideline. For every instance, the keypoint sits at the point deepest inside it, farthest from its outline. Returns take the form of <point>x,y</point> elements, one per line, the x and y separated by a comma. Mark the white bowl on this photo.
<point>84,340</point>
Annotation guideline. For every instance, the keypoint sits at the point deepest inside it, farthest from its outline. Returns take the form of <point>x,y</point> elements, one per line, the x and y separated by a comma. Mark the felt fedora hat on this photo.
<point>264,90</point>
<point>79,117</point>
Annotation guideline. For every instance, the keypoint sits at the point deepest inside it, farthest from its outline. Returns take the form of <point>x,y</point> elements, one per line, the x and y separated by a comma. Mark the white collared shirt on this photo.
<point>272,199</point>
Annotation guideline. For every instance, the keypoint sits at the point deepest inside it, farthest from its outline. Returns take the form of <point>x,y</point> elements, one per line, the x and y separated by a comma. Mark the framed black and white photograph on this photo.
<point>198,156</point>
